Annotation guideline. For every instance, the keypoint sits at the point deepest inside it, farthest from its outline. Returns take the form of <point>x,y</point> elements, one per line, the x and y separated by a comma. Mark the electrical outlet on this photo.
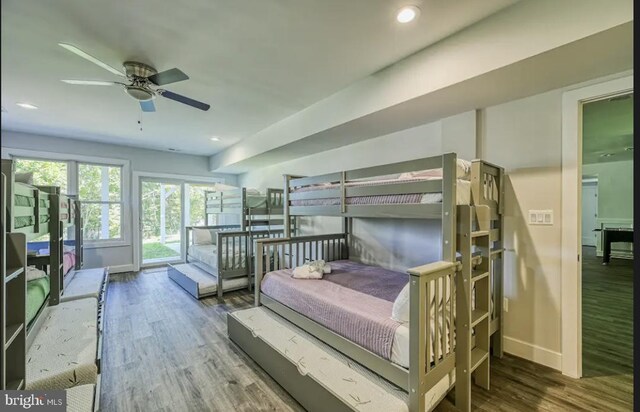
<point>505,305</point>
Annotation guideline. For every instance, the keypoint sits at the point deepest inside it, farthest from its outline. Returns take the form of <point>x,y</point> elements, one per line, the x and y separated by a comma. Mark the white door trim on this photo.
<point>571,215</point>
<point>136,200</point>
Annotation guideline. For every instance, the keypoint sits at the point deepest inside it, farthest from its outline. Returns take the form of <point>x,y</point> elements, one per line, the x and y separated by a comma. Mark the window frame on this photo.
<point>102,242</point>
<point>73,162</point>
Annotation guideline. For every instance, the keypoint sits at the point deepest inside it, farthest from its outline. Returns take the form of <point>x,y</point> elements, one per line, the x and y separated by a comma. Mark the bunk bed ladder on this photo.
<point>474,321</point>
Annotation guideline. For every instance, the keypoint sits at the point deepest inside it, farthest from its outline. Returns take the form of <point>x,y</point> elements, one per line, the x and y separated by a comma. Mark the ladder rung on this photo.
<point>479,233</point>
<point>477,357</point>
<point>478,316</point>
<point>478,275</point>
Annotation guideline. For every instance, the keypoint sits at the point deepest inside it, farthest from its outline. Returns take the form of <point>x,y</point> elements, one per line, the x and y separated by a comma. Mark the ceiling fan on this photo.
<point>140,81</point>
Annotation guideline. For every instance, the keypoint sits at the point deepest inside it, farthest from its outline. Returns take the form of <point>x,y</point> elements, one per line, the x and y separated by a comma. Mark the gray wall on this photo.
<point>141,160</point>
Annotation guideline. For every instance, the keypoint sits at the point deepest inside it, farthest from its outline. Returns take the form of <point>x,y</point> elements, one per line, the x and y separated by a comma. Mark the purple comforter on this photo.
<point>355,301</point>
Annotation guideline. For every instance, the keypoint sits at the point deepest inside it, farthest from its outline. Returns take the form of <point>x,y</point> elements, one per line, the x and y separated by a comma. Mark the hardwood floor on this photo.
<point>166,351</point>
<point>607,318</point>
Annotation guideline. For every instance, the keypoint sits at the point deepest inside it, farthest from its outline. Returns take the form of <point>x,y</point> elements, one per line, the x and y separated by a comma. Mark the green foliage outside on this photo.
<point>90,179</point>
<point>90,190</point>
<point>45,173</point>
<point>156,250</point>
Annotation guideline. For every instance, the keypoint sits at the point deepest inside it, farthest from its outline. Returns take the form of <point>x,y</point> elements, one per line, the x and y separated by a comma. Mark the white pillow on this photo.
<point>26,178</point>
<point>204,237</point>
<point>33,273</point>
<point>400,311</point>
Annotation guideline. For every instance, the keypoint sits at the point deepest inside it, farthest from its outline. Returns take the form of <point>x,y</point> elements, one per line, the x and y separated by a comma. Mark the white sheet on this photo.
<point>208,255</point>
<point>352,383</point>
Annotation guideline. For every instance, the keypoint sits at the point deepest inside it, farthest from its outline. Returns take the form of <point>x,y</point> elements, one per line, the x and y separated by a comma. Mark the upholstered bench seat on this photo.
<point>85,283</point>
<point>63,353</point>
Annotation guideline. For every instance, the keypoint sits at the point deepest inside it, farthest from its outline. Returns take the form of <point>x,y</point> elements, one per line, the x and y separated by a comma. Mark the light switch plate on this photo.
<point>541,217</point>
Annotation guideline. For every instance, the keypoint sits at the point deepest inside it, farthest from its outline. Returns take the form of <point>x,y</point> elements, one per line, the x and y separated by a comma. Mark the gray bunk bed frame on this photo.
<point>463,227</point>
<point>50,212</point>
<point>255,223</point>
<point>235,201</point>
<point>231,243</point>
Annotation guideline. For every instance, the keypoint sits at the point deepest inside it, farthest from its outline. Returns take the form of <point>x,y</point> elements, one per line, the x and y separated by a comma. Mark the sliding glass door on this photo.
<point>161,221</point>
<point>167,206</point>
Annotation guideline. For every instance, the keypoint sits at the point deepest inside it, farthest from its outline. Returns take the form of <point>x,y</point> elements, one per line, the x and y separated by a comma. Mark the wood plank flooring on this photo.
<point>165,351</point>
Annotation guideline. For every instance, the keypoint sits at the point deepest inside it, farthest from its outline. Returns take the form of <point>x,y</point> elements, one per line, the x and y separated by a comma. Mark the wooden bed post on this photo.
<point>463,312</point>
<point>243,215</point>
<point>287,218</point>
<point>55,226</point>
<point>449,206</point>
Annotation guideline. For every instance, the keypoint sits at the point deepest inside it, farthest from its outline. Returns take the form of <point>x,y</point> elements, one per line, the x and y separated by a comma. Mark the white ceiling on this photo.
<point>607,129</point>
<point>255,61</point>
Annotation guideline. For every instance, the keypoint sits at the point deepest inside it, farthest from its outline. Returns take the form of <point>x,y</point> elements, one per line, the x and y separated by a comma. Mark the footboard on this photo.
<point>235,250</point>
<point>287,253</point>
<point>431,323</point>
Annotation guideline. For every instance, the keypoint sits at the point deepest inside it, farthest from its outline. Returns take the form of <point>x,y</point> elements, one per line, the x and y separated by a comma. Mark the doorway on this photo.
<point>607,213</point>
<point>160,221</point>
<point>167,204</point>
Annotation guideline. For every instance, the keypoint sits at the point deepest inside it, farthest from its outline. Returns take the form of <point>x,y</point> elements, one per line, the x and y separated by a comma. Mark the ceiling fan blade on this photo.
<point>168,76</point>
<point>92,82</point>
<point>183,99</point>
<point>147,106</point>
<point>84,55</point>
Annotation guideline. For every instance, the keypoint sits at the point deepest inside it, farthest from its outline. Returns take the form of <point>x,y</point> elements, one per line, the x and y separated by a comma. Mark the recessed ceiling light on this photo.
<point>215,139</point>
<point>27,106</point>
<point>407,14</point>
<point>606,155</point>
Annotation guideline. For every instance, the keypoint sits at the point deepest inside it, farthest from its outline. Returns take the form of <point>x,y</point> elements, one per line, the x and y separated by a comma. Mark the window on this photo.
<point>100,183</point>
<point>100,193</point>
<point>45,172</point>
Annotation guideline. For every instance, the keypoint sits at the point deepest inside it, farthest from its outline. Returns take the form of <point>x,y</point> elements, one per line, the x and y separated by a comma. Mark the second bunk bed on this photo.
<point>40,212</point>
<point>219,256</point>
<point>423,331</point>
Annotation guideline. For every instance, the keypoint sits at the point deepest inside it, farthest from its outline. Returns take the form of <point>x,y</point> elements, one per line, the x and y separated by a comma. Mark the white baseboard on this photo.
<point>533,353</point>
<point>121,268</point>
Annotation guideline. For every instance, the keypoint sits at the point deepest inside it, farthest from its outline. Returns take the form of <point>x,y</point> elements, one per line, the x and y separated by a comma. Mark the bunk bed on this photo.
<point>37,211</point>
<point>219,257</point>
<point>453,305</point>
<point>253,209</point>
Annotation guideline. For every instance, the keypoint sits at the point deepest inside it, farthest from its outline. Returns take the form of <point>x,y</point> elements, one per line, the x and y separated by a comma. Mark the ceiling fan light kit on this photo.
<point>141,78</point>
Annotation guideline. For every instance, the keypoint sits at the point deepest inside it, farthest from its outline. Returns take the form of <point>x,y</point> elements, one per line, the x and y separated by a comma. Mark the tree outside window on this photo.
<point>45,172</point>
<point>100,193</point>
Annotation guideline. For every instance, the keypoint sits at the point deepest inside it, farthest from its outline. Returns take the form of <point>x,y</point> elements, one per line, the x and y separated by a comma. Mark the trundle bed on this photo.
<point>453,305</point>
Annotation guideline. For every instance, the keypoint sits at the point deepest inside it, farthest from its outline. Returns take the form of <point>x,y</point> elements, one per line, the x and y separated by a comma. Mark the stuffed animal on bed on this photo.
<point>312,270</point>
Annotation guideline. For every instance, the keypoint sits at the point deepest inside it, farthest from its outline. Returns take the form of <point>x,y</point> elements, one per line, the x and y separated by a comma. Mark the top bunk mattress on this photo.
<point>463,189</point>
<point>463,194</point>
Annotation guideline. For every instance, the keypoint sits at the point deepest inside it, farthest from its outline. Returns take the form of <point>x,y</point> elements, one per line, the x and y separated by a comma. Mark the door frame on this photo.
<point>593,181</point>
<point>571,260</point>
<point>136,196</point>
